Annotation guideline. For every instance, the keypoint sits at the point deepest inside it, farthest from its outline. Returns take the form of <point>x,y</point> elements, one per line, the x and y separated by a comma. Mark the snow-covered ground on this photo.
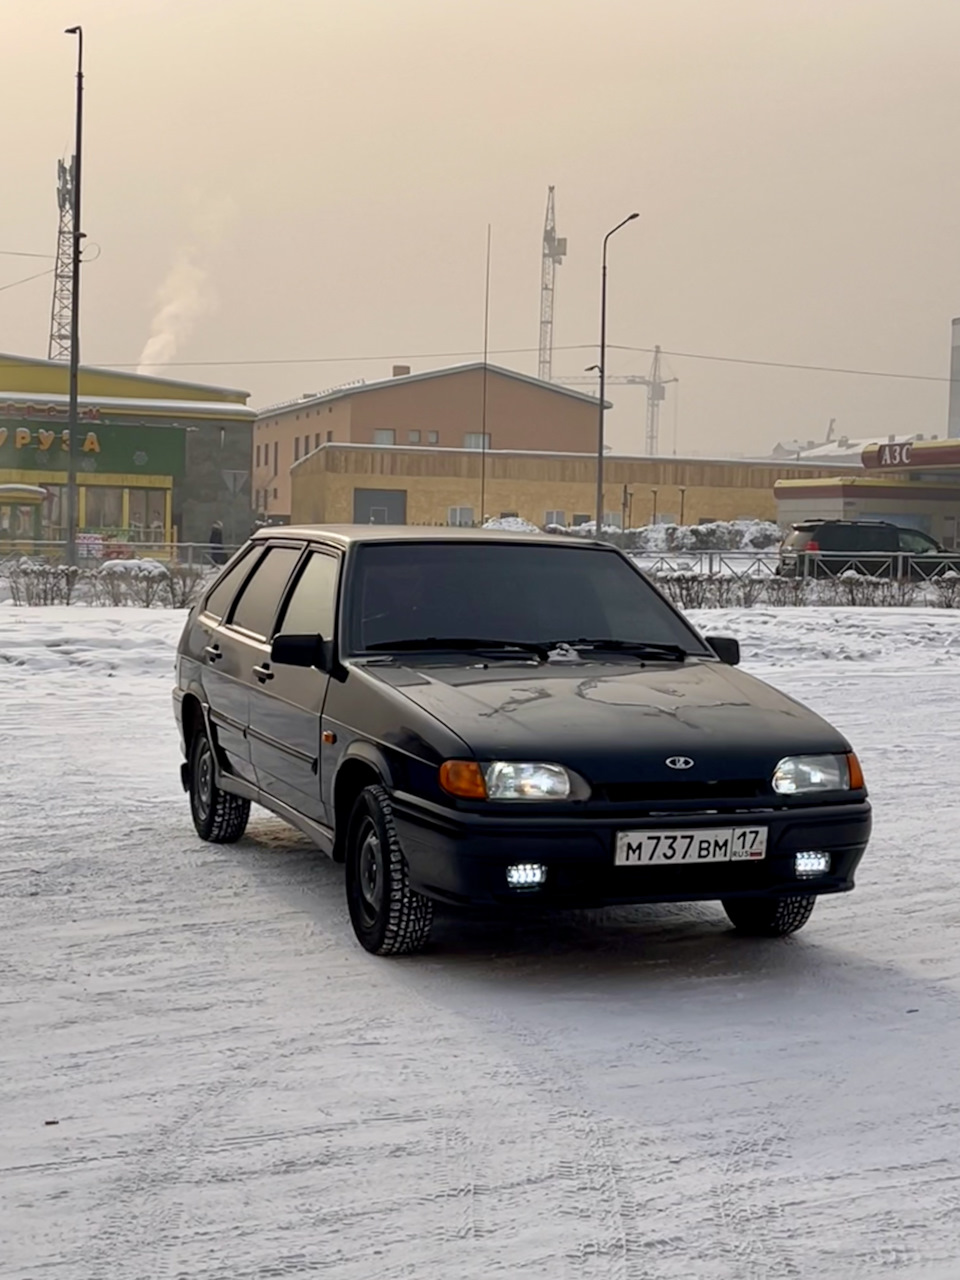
<point>203,1076</point>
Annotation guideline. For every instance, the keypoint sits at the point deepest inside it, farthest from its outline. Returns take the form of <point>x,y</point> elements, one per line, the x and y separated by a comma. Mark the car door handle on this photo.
<point>263,673</point>
<point>213,653</point>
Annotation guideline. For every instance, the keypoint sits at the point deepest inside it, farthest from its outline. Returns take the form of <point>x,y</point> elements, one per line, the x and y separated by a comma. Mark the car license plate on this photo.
<point>666,848</point>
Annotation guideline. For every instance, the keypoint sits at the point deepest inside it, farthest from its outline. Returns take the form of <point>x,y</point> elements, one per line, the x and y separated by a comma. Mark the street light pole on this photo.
<point>73,424</point>
<point>603,371</point>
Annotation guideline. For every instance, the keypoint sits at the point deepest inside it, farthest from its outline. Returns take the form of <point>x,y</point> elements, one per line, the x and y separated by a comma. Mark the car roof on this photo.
<point>346,534</point>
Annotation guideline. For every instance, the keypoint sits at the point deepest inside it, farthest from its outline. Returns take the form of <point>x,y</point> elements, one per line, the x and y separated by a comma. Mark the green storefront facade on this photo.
<point>145,473</point>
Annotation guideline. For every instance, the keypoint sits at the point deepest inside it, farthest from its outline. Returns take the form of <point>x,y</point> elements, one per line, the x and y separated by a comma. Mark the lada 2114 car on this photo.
<point>504,721</point>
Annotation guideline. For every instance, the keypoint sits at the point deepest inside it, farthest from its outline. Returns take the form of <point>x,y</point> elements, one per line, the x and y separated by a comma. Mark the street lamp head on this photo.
<point>73,31</point>
<point>632,216</point>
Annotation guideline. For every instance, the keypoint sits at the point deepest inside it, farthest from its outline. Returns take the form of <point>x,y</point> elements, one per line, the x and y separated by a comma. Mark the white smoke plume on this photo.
<point>186,294</point>
<point>184,298</point>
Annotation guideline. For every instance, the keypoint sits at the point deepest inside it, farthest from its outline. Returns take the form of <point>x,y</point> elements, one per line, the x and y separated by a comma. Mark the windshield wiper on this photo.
<point>460,644</point>
<point>642,648</point>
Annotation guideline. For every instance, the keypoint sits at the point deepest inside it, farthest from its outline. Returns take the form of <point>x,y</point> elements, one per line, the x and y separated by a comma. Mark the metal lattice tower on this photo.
<point>59,348</point>
<point>554,252</point>
<point>656,394</point>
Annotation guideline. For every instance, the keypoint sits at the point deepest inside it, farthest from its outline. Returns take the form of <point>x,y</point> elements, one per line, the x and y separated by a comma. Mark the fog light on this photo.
<point>811,863</point>
<point>526,875</point>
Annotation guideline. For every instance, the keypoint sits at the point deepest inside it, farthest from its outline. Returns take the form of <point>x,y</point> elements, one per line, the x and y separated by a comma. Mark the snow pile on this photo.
<point>903,640</point>
<point>512,524</point>
<point>85,641</point>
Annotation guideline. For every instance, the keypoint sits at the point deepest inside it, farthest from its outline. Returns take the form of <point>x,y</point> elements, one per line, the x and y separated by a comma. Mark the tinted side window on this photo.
<point>830,537</point>
<point>218,601</point>
<point>914,540</point>
<point>260,598</point>
<point>312,607</point>
<point>878,539</point>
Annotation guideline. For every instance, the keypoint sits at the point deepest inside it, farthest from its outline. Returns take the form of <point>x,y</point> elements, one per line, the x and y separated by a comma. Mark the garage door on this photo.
<point>380,506</point>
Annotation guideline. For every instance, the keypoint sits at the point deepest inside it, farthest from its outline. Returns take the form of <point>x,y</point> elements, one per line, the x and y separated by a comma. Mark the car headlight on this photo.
<point>505,780</point>
<point>800,775</point>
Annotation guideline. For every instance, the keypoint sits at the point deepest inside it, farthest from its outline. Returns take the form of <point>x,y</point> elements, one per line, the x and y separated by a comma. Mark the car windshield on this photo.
<point>525,593</point>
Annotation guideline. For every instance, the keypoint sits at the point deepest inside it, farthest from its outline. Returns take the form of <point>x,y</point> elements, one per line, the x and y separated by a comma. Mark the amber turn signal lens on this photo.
<point>857,782</point>
<point>463,778</point>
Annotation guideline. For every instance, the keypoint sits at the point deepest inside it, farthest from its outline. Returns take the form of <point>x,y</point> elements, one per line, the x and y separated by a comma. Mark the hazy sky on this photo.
<point>310,179</point>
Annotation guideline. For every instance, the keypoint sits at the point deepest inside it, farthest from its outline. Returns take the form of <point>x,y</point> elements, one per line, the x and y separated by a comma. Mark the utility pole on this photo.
<point>602,368</point>
<point>62,310</point>
<point>626,509</point>
<point>73,418</point>
<point>554,252</point>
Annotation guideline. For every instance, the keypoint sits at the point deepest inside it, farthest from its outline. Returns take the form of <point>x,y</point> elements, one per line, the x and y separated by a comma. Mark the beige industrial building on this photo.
<point>442,409</point>
<point>350,483</point>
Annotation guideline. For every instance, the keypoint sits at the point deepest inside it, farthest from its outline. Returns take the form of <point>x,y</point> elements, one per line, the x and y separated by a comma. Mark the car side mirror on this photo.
<point>298,651</point>
<point>726,648</point>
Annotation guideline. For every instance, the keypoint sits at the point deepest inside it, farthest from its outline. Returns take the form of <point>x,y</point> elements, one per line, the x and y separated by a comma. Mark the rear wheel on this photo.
<point>769,917</point>
<point>218,816</point>
<point>388,917</point>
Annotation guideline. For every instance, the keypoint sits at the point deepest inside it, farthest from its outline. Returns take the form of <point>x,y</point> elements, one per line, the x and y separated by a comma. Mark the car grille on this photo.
<point>660,792</point>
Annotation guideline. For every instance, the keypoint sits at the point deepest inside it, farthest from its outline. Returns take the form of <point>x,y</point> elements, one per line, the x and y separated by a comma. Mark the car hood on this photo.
<point>607,720</point>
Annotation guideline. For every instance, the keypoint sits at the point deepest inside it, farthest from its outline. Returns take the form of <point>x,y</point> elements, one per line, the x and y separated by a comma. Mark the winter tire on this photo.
<point>218,816</point>
<point>769,917</point>
<point>388,917</point>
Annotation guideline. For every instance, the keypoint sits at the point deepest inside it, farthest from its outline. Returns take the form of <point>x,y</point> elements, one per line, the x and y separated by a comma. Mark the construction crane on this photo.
<point>59,348</point>
<point>554,252</point>
<point>656,394</point>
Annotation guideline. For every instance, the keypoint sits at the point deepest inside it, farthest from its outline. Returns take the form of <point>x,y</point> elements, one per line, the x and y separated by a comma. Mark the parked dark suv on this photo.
<point>502,720</point>
<point>826,548</point>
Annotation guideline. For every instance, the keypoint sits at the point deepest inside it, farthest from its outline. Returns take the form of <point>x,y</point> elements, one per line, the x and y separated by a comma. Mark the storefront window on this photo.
<point>55,512</point>
<point>104,508</point>
<point>147,508</point>
<point>16,521</point>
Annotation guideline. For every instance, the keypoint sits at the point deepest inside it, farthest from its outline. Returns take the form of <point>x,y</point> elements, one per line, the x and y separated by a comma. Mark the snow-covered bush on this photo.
<point>117,583</point>
<point>140,582</point>
<point>946,590</point>
<point>667,539</point>
<point>36,582</point>
<point>719,535</point>
<point>184,584</point>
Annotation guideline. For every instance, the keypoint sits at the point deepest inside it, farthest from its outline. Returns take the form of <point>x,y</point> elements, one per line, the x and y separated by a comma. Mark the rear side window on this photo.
<point>914,540</point>
<point>259,601</point>
<point>797,539</point>
<point>312,607</point>
<point>219,599</point>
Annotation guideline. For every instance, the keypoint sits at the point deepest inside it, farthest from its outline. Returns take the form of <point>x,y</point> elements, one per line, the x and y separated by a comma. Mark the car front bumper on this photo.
<point>462,858</point>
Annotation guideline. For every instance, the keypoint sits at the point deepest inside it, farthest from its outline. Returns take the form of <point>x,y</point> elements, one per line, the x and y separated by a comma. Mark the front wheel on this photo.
<point>769,917</point>
<point>218,816</point>
<point>388,917</point>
